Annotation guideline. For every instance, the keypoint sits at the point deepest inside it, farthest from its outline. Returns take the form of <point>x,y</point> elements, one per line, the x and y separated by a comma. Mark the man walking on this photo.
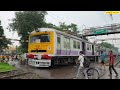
<point>81,66</point>
<point>111,64</point>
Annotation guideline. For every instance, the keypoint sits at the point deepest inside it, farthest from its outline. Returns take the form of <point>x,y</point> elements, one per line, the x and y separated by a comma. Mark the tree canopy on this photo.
<point>71,29</point>
<point>3,40</point>
<point>110,46</point>
<point>25,22</point>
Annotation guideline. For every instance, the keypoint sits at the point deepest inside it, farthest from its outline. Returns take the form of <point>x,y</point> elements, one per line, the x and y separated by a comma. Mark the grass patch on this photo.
<point>4,67</point>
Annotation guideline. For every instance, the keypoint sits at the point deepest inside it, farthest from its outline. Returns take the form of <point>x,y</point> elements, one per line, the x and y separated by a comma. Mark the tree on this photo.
<point>3,40</point>
<point>70,29</point>
<point>19,48</point>
<point>110,46</point>
<point>25,22</point>
<point>64,27</point>
<point>74,28</point>
<point>50,25</point>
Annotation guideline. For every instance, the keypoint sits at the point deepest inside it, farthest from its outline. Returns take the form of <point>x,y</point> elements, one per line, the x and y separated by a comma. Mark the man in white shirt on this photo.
<point>81,66</point>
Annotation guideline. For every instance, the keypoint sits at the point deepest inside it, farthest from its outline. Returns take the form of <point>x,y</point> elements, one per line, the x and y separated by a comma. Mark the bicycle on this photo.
<point>92,72</point>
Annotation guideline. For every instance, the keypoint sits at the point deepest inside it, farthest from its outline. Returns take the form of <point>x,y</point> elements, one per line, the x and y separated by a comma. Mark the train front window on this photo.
<point>40,38</point>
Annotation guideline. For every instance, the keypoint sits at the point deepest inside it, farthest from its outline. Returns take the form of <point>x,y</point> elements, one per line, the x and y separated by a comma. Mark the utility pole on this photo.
<point>83,30</point>
<point>16,49</point>
<point>111,16</point>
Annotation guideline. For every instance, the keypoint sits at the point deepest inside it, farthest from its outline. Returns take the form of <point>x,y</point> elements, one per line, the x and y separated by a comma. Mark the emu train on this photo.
<point>49,47</point>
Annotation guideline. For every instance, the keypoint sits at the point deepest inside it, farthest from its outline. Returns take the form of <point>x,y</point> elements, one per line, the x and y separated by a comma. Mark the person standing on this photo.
<point>102,57</point>
<point>111,64</point>
<point>24,58</point>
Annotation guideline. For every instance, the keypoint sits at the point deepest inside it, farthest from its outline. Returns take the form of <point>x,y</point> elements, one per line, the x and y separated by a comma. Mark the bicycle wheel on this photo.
<point>92,73</point>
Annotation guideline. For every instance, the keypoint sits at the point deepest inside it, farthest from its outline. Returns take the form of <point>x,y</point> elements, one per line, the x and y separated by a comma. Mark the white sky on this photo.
<point>81,18</point>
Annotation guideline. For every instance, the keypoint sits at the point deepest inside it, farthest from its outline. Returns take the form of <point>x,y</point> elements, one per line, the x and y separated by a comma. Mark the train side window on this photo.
<point>95,48</point>
<point>58,40</point>
<point>74,44</point>
<point>68,44</point>
<point>90,47</point>
<point>87,47</point>
<point>78,45</point>
<point>64,42</point>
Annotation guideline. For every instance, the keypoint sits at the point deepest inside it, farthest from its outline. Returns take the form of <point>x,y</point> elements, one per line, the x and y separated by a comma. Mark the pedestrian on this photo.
<point>24,58</point>
<point>3,58</point>
<point>102,58</point>
<point>16,57</point>
<point>81,66</point>
<point>111,64</point>
<point>7,58</point>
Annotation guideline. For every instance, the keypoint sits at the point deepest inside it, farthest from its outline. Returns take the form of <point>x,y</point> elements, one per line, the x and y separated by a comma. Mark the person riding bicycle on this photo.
<point>81,66</point>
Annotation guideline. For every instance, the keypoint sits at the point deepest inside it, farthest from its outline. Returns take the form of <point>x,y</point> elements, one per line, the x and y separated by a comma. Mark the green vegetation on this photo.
<point>110,46</point>
<point>4,67</point>
<point>3,41</point>
<point>71,29</point>
<point>25,22</point>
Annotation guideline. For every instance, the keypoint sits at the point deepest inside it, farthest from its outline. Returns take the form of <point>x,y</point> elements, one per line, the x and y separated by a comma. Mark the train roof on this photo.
<point>42,29</point>
<point>64,33</point>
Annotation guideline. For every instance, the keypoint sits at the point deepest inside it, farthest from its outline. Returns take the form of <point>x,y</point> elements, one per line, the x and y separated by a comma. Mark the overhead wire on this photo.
<point>60,18</point>
<point>102,15</point>
<point>68,20</point>
<point>54,18</point>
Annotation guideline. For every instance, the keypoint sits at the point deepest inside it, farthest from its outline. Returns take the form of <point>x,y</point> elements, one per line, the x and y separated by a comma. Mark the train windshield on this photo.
<point>40,38</point>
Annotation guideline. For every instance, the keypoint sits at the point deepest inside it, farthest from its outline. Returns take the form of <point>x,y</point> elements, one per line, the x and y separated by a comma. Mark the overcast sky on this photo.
<point>82,18</point>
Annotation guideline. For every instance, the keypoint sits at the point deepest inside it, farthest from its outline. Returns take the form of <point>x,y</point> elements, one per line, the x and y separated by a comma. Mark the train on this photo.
<point>50,47</point>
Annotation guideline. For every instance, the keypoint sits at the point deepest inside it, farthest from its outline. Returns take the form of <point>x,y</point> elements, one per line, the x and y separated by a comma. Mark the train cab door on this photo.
<point>58,45</point>
<point>83,48</point>
<point>92,49</point>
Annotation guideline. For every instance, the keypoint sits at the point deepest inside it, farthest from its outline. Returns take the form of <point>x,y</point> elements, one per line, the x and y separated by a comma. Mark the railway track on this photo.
<point>19,74</point>
<point>16,75</point>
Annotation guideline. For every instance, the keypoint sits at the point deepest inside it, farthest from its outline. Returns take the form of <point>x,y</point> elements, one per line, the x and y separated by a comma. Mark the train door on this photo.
<point>58,45</point>
<point>83,48</point>
<point>92,49</point>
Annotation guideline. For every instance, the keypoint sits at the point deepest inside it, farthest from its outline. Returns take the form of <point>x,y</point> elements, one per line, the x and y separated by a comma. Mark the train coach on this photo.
<point>49,47</point>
